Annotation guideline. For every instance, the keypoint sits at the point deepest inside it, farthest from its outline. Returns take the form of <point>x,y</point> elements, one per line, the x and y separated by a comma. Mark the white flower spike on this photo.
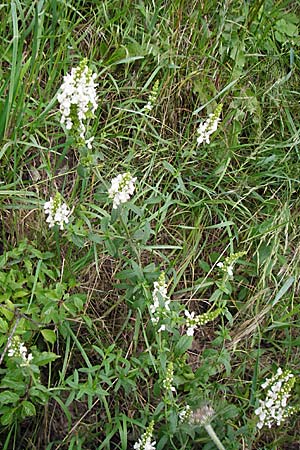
<point>78,101</point>
<point>122,187</point>
<point>274,409</point>
<point>58,212</point>
<point>207,128</point>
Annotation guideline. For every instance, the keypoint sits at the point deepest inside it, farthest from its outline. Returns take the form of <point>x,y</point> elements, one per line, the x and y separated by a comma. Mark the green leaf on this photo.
<point>283,290</point>
<point>3,326</point>
<point>28,409</point>
<point>183,345</point>
<point>8,397</point>
<point>8,417</point>
<point>49,336</point>
<point>44,358</point>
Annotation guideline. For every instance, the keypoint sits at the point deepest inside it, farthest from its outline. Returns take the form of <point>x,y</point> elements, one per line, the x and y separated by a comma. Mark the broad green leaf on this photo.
<point>8,417</point>
<point>49,336</point>
<point>28,409</point>
<point>8,397</point>
<point>183,345</point>
<point>44,358</point>
<point>3,326</point>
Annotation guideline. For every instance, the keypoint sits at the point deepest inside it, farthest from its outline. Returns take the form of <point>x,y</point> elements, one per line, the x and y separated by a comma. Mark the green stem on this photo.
<point>211,432</point>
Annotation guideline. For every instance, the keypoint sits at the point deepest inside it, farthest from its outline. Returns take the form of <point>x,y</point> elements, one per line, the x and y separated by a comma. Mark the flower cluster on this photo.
<point>185,414</point>
<point>202,416</point>
<point>228,264</point>
<point>16,348</point>
<point>168,381</point>
<point>274,408</point>
<point>122,187</point>
<point>58,212</point>
<point>78,101</point>
<point>161,302</point>
<point>152,98</point>
<point>144,443</point>
<point>193,321</point>
<point>209,126</point>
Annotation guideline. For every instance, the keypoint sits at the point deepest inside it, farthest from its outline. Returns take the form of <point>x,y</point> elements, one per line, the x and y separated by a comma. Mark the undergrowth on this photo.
<point>150,249</point>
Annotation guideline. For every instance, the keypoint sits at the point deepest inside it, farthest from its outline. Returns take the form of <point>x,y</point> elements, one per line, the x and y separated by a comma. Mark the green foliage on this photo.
<point>94,352</point>
<point>32,300</point>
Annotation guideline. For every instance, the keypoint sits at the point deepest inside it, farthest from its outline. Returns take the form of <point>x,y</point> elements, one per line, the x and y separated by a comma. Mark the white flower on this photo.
<point>147,445</point>
<point>191,322</point>
<point>122,187</point>
<point>18,349</point>
<point>160,302</point>
<point>58,212</point>
<point>185,414</point>
<point>148,107</point>
<point>89,142</point>
<point>152,98</point>
<point>78,98</point>
<point>230,271</point>
<point>207,128</point>
<point>144,443</point>
<point>273,409</point>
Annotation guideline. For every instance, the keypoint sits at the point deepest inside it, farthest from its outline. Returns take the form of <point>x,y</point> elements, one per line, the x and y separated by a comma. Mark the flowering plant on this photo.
<point>273,409</point>
<point>78,102</point>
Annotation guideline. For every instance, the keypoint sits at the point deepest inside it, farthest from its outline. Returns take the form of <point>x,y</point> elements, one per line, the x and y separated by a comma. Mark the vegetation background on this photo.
<point>80,298</point>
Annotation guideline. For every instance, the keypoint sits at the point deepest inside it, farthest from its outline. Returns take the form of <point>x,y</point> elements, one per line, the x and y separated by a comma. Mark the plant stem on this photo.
<point>214,437</point>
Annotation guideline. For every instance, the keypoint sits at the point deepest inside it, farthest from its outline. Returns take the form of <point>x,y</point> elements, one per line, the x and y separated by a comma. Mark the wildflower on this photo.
<point>152,98</point>
<point>228,268</point>
<point>228,265</point>
<point>209,126</point>
<point>274,408</point>
<point>16,348</point>
<point>185,414</point>
<point>168,381</point>
<point>58,212</point>
<point>202,416</point>
<point>161,303</point>
<point>78,101</point>
<point>144,443</point>
<point>193,321</point>
<point>122,187</point>
<point>89,142</point>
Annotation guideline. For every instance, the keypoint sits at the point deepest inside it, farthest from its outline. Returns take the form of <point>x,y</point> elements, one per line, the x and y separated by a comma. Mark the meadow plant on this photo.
<point>168,381</point>
<point>144,442</point>
<point>192,321</point>
<point>78,102</point>
<point>273,410</point>
<point>17,349</point>
<point>228,265</point>
<point>160,301</point>
<point>152,98</point>
<point>57,211</point>
<point>185,414</point>
<point>125,349</point>
<point>207,128</point>
<point>203,416</point>
<point>122,188</point>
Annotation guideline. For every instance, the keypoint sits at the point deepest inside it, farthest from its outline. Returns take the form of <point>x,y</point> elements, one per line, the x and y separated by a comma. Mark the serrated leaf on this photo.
<point>49,336</point>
